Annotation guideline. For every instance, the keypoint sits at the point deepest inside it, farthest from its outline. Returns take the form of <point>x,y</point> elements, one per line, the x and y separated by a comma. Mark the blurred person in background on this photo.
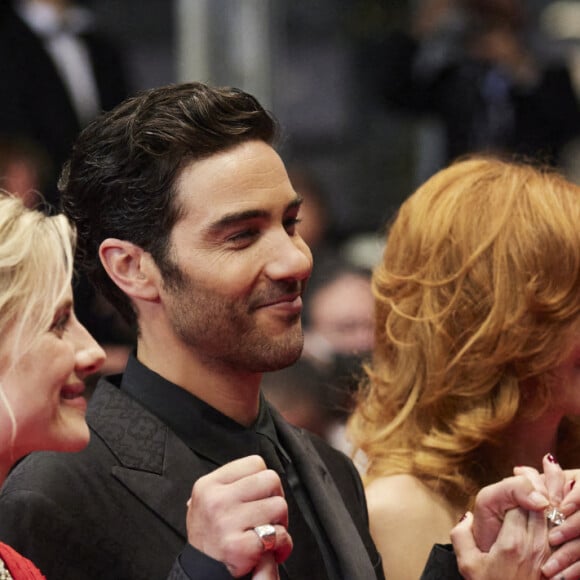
<point>24,169</point>
<point>315,393</point>
<point>58,71</point>
<point>338,336</point>
<point>338,314</point>
<point>337,322</point>
<point>475,67</point>
<point>475,367</point>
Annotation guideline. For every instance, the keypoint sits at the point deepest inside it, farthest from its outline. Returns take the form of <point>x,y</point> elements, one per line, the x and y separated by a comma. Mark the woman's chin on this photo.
<point>73,435</point>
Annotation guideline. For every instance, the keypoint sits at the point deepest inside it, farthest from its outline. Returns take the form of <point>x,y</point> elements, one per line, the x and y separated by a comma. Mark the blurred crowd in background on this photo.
<point>373,98</point>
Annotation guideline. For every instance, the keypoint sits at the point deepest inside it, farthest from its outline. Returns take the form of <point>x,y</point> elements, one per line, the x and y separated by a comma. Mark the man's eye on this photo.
<point>243,235</point>
<point>291,223</point>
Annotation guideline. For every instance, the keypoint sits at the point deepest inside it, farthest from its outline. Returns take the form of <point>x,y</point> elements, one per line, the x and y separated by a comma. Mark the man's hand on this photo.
<point>267,569</point>
<point>225,507</point>
<point>517,554</point>
<point>493,501</point>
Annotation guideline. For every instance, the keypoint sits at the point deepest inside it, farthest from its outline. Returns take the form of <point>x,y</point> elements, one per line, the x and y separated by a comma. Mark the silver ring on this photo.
<point>267,535</point>
<point>554,516</point>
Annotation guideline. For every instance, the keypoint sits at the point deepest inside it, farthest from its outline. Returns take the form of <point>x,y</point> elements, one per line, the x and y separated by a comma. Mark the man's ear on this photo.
<point>131,268</point>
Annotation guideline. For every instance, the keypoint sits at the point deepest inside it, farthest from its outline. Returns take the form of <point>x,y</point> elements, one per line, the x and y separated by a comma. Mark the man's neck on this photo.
<point>235,394</point>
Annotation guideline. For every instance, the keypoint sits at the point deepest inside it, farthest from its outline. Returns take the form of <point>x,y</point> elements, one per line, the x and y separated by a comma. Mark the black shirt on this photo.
<point>218,439</point>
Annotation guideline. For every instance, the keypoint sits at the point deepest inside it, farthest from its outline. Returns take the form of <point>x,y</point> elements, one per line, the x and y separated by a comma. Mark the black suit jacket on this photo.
<point>117,509</point>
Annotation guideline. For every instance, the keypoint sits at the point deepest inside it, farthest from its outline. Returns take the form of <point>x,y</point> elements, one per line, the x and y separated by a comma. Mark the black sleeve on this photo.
<point>192,564</point>
<point>442,564</point>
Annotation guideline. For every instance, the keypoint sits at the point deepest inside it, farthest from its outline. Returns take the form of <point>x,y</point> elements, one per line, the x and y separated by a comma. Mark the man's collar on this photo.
<point>207,431</point>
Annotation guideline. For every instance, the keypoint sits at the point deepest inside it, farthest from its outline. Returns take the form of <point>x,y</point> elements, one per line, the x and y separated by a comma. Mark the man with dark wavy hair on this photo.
<point>186,222</point>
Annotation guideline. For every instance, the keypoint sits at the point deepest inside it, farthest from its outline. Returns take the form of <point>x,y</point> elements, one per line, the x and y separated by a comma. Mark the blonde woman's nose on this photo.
<point>89,355</point>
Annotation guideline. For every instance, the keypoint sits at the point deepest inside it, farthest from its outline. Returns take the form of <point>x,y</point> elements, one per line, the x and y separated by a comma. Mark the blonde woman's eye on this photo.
<point>60,324</point>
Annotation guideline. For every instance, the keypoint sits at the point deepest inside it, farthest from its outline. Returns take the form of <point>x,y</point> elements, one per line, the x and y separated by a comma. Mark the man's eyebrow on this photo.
<point>235,217</point>
<point>241,216</point>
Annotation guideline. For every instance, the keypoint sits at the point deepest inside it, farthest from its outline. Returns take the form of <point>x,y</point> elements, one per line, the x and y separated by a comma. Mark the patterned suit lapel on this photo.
<point>154,464</point>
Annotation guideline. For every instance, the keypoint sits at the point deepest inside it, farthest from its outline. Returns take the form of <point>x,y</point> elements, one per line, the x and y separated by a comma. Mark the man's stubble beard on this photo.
<point>222,335</point>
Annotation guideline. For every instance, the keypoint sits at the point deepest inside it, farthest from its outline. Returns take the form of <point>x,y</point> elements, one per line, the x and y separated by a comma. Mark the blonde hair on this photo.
<point>36,262</point>
<point>476,297</point>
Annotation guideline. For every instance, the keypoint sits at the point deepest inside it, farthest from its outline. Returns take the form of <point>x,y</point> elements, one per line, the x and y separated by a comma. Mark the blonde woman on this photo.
<point>45,353</point>
<point>476,367</point>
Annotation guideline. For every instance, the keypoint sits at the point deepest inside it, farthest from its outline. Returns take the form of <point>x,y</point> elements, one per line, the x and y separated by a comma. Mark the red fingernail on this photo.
<point>551,458</point>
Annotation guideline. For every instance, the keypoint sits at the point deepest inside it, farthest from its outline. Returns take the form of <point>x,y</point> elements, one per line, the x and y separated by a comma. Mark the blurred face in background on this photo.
<point>342,314</point>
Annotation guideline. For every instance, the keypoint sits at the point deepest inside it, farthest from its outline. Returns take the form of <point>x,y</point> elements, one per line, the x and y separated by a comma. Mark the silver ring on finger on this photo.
<point>267,535</point>
<point>554,516</point>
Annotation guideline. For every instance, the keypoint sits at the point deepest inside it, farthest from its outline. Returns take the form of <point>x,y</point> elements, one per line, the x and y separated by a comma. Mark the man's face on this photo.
<point>236,301</point>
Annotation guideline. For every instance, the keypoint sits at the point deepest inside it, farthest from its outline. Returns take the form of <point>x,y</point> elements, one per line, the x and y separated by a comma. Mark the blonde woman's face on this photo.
<point>45,388</point>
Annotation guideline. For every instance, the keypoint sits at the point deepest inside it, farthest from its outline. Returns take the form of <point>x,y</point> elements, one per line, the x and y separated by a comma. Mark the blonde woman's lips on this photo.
<point>72,396</point>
